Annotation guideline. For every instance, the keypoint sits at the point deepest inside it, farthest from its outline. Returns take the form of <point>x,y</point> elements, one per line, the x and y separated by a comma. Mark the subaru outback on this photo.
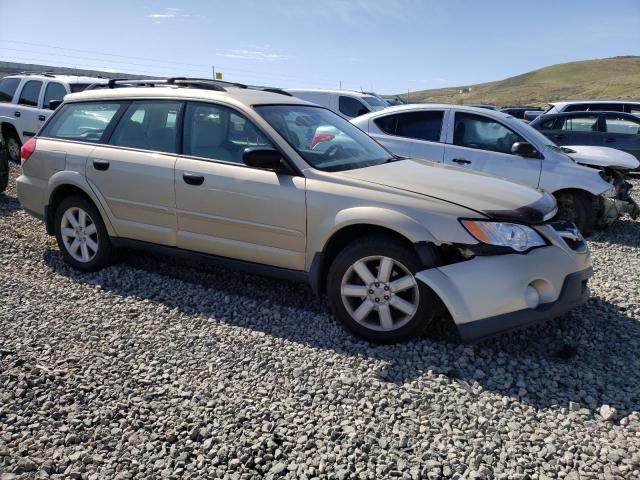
<point>229,174</point>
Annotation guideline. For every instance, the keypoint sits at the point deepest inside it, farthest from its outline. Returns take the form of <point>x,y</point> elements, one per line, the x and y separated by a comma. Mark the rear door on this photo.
<point>227,208</point>
<point>481,143</point>
<point>576,129</point>
<point>28,111</point>
<point>623,133</point>
<point>134,172</point>
<point>417,134</point>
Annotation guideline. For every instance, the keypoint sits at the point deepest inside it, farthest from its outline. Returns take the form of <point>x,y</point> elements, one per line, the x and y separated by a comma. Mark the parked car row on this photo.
<point>267,182</point>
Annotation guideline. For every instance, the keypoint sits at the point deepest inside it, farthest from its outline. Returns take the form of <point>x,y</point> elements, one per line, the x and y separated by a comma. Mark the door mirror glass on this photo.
<point>524,149</point>
<point>262,157</point>
<point>54,104</point>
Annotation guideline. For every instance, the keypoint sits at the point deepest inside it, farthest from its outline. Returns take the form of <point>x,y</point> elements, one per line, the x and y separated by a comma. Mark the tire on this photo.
<point>390,319</point>
<point>96,251</point>
<point>12,145</point>
<point>4,172</point>
<point>578,208</point>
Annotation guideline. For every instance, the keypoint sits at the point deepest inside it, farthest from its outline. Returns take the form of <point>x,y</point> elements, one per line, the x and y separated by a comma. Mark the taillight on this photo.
<point>321,137</point>
<point>27,149</point>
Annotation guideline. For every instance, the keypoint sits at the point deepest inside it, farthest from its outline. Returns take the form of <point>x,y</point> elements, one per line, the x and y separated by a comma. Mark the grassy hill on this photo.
<point>608,78</point>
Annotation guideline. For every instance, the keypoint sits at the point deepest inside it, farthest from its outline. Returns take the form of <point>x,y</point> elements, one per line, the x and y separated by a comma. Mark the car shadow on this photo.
<point>569,359</point>
<point>8,204</point>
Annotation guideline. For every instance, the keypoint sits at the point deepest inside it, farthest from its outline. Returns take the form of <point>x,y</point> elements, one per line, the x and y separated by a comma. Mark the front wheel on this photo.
<point>374,293</point>
<point>82,236</point>
<point>578,208</point>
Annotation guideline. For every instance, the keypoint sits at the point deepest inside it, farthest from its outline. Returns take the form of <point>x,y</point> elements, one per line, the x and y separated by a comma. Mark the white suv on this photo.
<point>346,103</point>
<point>26,103</point>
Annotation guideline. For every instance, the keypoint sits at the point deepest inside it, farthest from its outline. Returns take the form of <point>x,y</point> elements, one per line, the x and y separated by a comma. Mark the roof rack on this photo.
<point>186,82</point>
<point>44,74</point>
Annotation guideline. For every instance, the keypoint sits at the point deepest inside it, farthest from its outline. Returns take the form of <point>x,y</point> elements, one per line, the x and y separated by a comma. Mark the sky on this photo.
<point>386,46</point>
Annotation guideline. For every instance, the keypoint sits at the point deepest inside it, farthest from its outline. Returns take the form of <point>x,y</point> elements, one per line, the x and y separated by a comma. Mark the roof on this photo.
<point>337,91</point>
<point>595,102</point>
<point>244,96</point>
<point>412,107</point>
<point>62,78</point>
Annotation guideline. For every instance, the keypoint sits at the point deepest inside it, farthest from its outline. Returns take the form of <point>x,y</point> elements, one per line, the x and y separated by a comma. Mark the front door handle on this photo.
<point>559,136</point>
<point>101,165</point>
<point>16,114</point>
<point>610,140</point>
<point>42,118</point>
<point>461,161</point>
<point>192,178</point>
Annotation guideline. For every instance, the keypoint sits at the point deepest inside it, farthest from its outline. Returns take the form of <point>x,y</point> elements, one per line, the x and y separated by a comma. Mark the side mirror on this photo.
<point>262,157</point>
<point>53,104</point>
<point>524,149</point>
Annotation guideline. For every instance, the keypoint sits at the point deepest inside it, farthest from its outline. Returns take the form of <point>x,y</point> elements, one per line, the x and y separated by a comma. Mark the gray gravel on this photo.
<point>155,369</point>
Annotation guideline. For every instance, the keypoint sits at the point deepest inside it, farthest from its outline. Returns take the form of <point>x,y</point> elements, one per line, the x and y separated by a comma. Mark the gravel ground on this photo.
<point>154,369</point>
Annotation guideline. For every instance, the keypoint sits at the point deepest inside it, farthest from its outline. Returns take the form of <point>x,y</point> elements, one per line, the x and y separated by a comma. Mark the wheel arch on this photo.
<point>65,184</point>
<point>346,234</point>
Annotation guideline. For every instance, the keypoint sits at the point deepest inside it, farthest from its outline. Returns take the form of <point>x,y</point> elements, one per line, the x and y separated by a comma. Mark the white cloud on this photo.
<point>261,54</point>
<point>171,13</point>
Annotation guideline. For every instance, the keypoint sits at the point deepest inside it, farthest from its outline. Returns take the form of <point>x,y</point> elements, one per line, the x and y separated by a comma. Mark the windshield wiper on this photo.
<point>395,158</point>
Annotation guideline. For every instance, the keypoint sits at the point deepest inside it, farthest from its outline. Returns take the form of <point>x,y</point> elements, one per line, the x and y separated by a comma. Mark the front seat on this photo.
<point>208,137</point>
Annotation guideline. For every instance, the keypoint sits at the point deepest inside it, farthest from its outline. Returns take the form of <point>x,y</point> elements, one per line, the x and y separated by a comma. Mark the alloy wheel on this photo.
<point>79,234</point>
<point>380,293</point>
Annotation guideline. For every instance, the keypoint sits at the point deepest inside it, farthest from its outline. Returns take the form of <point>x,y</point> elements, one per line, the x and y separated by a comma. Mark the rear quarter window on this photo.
<point>85,122</point>
<point>8,87</point>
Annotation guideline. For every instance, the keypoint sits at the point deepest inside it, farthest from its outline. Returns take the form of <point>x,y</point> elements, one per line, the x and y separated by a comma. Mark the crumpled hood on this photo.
<point>602,157</point>
<point>496,197</point>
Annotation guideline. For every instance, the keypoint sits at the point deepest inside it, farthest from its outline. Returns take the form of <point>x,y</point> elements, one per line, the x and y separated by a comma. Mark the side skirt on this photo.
<point>225,262</point>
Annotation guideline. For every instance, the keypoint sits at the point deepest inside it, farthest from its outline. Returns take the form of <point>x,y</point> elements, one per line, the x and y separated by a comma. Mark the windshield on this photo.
<point>532,132</point>
<point>375,103</point>
<point>325,140</point>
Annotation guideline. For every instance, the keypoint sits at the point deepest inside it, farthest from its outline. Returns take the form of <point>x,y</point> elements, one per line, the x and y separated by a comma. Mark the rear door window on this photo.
<point>476,131</point>
<point>30,93</point>
<point>425,125</point>
<point>621,125</point>
<point>583,123</point>
<point>8,87</point>
<point>148,125</point>
<point>351,107</point>
<point>54,91</point>
<point>85,122</point>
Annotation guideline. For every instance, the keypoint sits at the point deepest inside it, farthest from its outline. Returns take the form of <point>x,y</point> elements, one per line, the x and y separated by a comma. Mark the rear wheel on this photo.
<point>374,293</point>
<point>82,236</point>
<point>12,145</point>
<point>578,208</point>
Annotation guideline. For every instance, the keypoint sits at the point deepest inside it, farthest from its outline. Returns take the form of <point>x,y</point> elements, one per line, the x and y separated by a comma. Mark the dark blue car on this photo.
<point>604,129</point>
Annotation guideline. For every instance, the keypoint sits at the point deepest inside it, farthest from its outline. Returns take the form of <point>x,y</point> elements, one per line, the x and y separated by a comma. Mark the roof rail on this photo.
<point>187,82</point>
<point>44,74</point>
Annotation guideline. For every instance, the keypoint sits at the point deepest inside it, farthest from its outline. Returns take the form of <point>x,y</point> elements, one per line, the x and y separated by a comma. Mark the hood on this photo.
<point>495,197</point>
<point>601,157</point>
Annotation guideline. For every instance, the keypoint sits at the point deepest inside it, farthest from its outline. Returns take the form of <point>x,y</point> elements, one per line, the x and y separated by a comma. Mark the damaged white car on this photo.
<point>588,182</point>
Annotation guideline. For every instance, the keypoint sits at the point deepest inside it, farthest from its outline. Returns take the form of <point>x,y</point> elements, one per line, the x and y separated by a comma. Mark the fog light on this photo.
<point>531,297</point>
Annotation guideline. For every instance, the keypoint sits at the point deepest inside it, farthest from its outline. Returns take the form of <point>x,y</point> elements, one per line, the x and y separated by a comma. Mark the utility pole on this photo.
<point>340,84</point>
<point>213,72</point>
<point>407,95</point>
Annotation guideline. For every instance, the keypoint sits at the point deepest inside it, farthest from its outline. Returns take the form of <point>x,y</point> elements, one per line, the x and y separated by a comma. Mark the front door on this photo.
<point>481,143</point>
<point>134,173</point>
<point>228,209</point>
<point>576,129</point>
<point>27,123</point>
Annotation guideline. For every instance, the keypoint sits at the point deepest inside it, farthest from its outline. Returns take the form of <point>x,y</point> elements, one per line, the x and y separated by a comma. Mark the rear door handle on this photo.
<point>192,178</point>
<point>461,161</point>
<point>101,165</point>
<point>42,118</point>
<point>610,140</point>
<point>16,114</point>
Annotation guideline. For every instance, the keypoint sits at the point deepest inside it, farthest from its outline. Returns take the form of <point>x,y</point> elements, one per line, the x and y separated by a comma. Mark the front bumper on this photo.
<point>493,294</point>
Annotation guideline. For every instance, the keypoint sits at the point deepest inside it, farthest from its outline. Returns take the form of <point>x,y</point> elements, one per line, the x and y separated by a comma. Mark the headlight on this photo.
<point>518,237</point>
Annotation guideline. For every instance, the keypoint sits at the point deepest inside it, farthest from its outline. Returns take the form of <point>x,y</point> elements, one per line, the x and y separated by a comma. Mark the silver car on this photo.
<point>588,183</point>
<point>234,176</point>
